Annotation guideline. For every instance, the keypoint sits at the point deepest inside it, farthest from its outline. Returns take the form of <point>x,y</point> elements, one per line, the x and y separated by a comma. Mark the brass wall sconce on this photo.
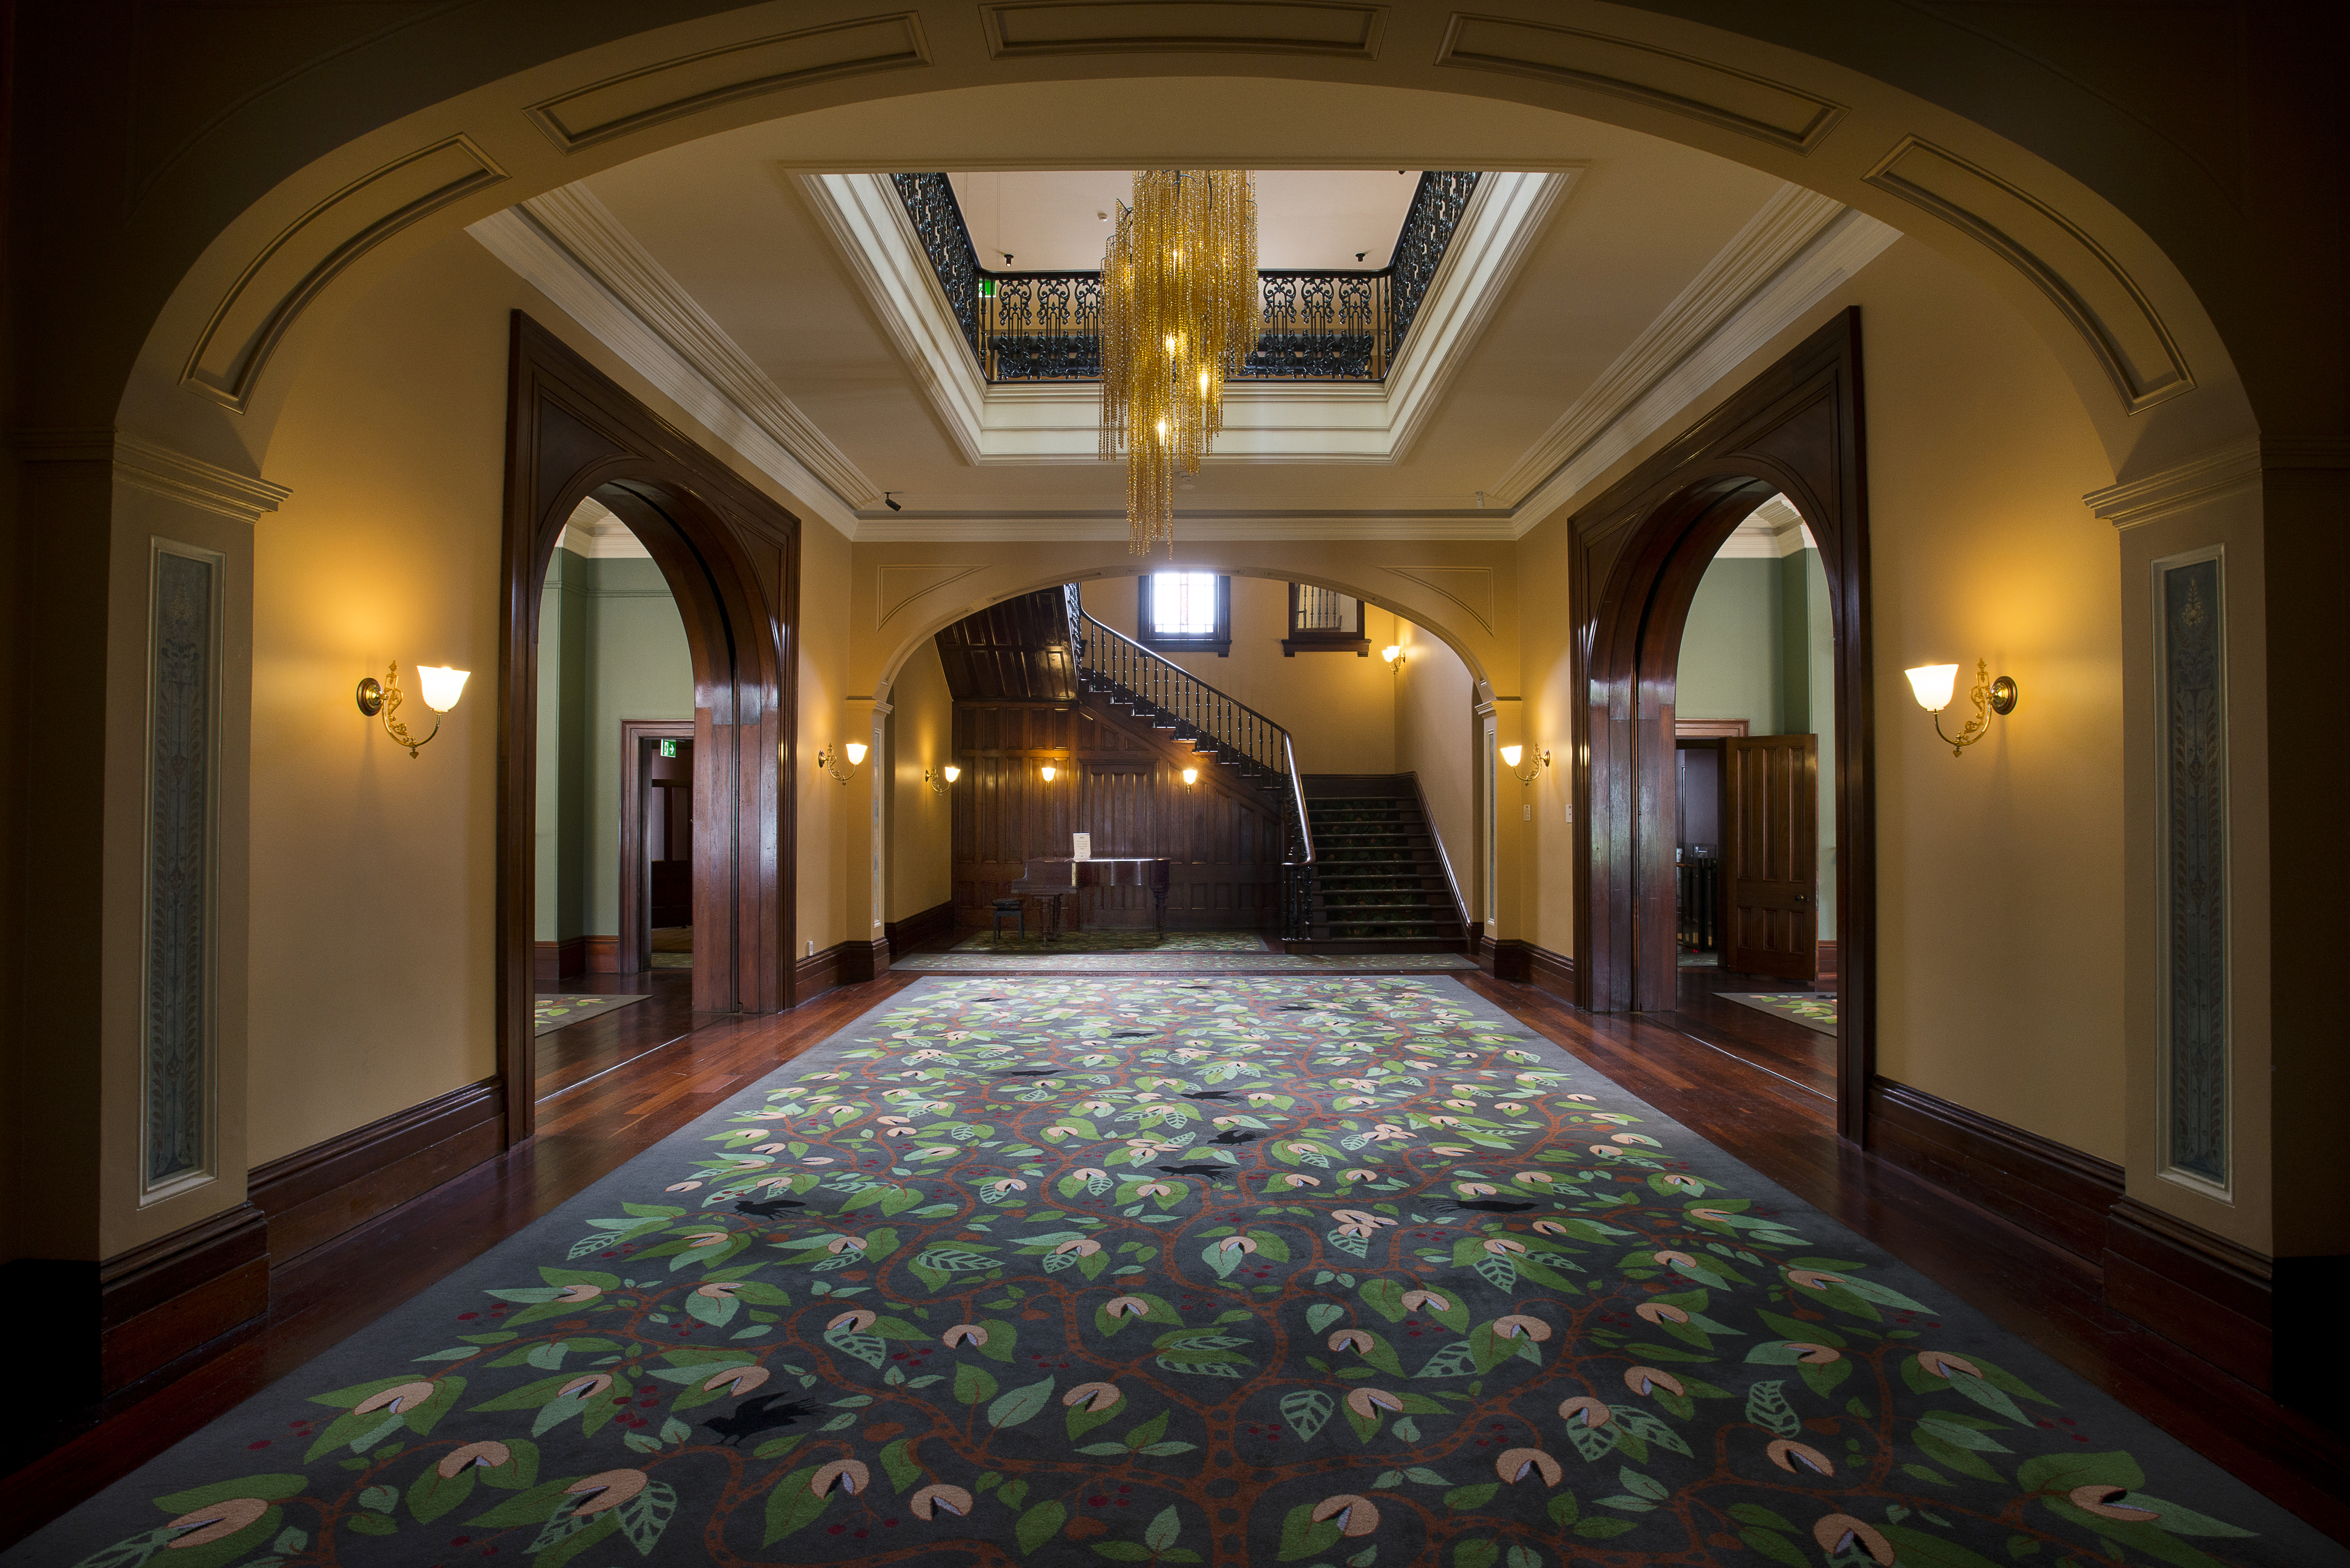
<point>830,761</point>
<point>1932,684</point>
<point>1190,777</point>
<point>1509,756</point>
<point>940,780</point>
<point>441,688</point>
<point>1396,656</point>
<point>1048,769</point>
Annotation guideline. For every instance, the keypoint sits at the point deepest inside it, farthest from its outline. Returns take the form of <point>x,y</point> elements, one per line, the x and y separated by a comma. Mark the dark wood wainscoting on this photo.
<point>904,936</point>
<point>1121,781</point>
<point>315,1194</point>
<point>2056,1193</point>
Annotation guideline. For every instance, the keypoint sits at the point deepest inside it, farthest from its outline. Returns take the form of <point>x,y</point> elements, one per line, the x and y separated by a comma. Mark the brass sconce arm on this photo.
<point>1988,695</point>
<point>940,780</point>
<point>1509,756</point>
<point>441,688</point>
<point>828,760</point>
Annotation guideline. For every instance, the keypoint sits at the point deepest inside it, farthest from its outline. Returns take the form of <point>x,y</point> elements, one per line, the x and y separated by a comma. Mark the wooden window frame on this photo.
<point>1304,641</point>
<point>1219,643</point>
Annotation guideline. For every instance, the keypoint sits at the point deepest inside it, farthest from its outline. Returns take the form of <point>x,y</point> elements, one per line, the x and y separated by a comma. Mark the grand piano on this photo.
<point>1055,877</point>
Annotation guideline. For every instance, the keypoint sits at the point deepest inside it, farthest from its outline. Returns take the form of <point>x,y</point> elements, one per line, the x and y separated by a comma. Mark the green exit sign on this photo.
<point>668,748</point>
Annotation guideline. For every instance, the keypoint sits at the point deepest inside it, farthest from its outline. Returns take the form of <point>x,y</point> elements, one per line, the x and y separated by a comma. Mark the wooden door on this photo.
<point>1771,853</point>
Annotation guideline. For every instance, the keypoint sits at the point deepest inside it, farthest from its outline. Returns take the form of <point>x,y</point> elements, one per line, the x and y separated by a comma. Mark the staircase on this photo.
<point>1381,883</point>
<point>1224,732</point>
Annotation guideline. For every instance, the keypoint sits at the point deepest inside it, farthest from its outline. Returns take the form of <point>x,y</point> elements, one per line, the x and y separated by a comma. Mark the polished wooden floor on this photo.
<point>1758,1086</point>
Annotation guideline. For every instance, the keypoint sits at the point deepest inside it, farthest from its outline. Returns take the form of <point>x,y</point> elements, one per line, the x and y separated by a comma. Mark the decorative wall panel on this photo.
<point>182,752</point>
<point>2191,735</point>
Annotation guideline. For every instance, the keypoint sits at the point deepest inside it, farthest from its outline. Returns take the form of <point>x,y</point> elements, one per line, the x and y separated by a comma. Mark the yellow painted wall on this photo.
<point>372,873</point>
<point>922,864</point>
<point>1435,729</point>
<point>1999,873</point>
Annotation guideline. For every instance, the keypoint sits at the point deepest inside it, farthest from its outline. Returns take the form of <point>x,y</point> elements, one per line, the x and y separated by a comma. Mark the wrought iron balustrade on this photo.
<point>1317,326</point>
<point>1221,728</point>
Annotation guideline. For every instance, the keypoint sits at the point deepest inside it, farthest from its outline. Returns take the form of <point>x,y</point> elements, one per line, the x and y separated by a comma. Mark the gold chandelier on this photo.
<point>1179,312</point>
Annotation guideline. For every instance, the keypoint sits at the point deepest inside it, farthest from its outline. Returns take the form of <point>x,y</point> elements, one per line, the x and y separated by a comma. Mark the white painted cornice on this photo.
<point>163,471</point>
<point>569,246</point>
<point>2180,486</point>
<point>1080,527</point>
<point>1787,259</point>
<point>1264,421</point>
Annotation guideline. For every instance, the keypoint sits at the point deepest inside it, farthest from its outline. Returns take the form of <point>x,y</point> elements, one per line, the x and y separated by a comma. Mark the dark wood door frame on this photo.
<point>636,898</point>
<point>730,557</point>
<point>1639,552</point>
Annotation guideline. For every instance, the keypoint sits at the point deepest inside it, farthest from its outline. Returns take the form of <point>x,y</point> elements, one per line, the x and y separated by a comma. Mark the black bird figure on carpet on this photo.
<point>1212,1172</point>
<point>753,1417</point>
<point>1234,1134</point>
<point>768,1209</point>
<point>1129,1033</point>
<point>1495,1206</point>
<point>1027,1073</point>
<point>1207,1093</point>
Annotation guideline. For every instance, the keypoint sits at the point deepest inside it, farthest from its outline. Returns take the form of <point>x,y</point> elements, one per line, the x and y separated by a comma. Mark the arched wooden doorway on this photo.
<point>731,556</point>
<point>1638,552</point>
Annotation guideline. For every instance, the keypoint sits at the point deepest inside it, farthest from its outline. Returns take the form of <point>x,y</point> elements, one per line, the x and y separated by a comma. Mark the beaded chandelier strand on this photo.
<point>1179,312</point>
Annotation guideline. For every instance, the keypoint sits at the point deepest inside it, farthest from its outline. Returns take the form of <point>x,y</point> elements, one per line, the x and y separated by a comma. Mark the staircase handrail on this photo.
<point>1193,702</point>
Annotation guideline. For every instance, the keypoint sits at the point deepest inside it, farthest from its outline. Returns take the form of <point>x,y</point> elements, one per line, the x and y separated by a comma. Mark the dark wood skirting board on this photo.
<point>550,962</point>
<point>314,1195</point>
<point>1554,972</point>
<point>904,936</point>
<point>2200,1290</point>
<point>816,973</point>
<point>1827,959</point>
<point>1514,959</point>
<point>2055,1192</point>
<point>603,955</point>
<point>861,962</point>
<point>162,1300</point>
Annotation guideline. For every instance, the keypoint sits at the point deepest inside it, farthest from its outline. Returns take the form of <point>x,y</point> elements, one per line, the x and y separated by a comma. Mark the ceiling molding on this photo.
<point>1049,422</point>
<point>1778,232</point>
<point>1787,117</point>
<point>1338,30</point>
<point>1746,296</point>
<point>570,247</point>
<point>162,471</point>
<point>2083,280</point>
<point>2181,487</point>
<point>1112,527</point>
<point>635,99</point>
<point>1771,532</point>
<point>595,532</point>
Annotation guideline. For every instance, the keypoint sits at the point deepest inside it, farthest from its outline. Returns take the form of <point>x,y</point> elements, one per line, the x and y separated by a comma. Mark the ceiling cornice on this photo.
<point>1796,247</point>
<point>1264,421</point>
<point>572,248</point>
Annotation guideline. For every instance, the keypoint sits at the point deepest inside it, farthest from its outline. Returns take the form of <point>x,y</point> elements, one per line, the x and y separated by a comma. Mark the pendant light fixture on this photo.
<point>1179,313</point>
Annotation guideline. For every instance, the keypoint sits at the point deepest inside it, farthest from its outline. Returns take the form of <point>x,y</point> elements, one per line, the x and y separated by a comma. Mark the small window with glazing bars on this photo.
<point>1185,612</point>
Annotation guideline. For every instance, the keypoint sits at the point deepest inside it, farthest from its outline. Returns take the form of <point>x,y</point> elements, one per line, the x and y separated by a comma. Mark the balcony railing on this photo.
<point>1318,326</point>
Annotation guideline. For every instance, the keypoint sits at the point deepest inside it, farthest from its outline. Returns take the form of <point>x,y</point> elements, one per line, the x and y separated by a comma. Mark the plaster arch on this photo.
<point>287,236</point>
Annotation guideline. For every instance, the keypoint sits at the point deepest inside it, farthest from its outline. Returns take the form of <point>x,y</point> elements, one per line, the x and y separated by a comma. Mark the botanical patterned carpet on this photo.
<point>1232,1272</point>
<point>1812,1010</point>
<point>959,961</point>
<point>1114,941</point>
<point>554,1011</point>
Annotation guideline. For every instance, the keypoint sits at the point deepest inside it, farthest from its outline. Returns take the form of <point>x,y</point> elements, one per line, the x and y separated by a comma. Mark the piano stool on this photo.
<point>1015,908</point>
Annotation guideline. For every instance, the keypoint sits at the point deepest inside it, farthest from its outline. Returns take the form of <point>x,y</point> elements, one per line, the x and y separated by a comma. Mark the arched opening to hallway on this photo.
<point>1794,435</point>
<point>1359,727</point>
<point>729,559</point>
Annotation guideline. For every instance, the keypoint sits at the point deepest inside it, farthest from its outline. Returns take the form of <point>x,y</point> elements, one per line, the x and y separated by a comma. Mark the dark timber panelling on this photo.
<point>1122,782</point>
<point>1017,649</point>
